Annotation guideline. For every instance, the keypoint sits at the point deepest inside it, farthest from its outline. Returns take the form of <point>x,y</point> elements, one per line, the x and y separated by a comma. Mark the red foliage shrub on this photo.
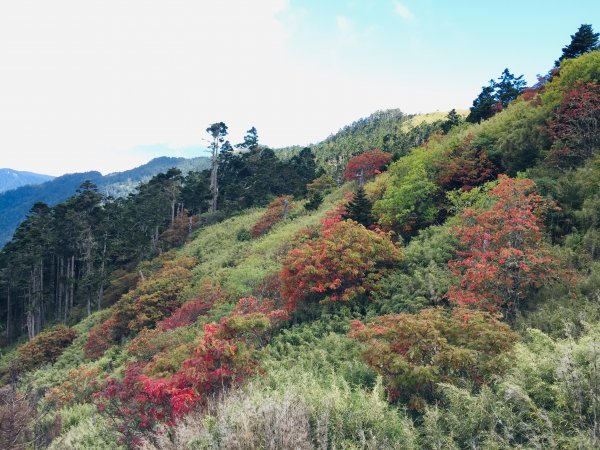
<point>100,339</point>
<point>343,262</point>
<point>45,347</point>
<point>225,355</point>
<point>465,168</point>
<point>503,252</point>
<point>576,126</point>
<point>275,213</point>
<point>186,314</point>
<point>369,163</point>
<point>414,353</point>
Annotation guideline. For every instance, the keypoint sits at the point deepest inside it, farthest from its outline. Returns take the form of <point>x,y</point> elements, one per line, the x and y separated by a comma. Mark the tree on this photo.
<point>414,353</point>
<point>339,264</point>
<point>503,254</point>
<point>366,165</point>
<point>576,126</point>
<point>483,105</point>
<point>496,96</point>
<point>583,41</point>
<point>218,131</point>
<point>359,209</point>
<point>250,140</point>
<point>452,119</point>
<point>508,87</point>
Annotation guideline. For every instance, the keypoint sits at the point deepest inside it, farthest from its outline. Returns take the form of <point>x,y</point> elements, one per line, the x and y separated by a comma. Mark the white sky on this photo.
<point>92,85</point>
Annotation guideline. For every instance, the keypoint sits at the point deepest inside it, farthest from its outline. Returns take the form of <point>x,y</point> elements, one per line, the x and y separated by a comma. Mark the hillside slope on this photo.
<point>451,303</point>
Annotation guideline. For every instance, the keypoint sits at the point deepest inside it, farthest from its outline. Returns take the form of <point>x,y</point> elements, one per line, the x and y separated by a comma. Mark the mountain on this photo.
<point>15,203</point>
<point>12,179</point>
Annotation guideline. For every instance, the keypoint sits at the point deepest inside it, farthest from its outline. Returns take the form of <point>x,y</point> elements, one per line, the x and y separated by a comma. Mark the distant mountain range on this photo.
<point>13,179</point>
<point>16,203</point>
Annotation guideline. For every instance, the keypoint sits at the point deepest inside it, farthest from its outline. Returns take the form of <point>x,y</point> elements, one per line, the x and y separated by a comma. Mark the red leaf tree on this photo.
<point>368,164</point>
<point>340,263</point>
<point>503,253</point>
<point>576,126</point>
<point>465,168</point>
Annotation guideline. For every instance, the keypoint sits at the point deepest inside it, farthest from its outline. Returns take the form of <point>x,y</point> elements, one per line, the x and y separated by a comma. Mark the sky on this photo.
<point>107,85</point>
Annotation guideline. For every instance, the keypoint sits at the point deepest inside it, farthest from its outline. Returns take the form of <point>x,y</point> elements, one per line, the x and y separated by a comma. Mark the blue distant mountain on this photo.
<point>12,179</point>
<point>16,203</point>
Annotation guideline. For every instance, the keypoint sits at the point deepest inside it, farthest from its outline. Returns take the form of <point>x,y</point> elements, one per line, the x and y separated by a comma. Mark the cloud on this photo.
<point>403,11</point>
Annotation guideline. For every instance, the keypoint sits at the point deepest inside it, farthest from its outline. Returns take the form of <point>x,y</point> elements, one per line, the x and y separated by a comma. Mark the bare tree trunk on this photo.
<point>8,312</point>
<point>102,267</point>
<point>214,180</point>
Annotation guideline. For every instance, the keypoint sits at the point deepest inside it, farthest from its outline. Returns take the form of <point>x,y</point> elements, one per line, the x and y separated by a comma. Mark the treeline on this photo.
<point>390,130</point>
<point>65,261</point>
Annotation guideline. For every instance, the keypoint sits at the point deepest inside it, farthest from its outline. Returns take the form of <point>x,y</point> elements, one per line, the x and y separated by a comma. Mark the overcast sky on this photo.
<point>107,85</point>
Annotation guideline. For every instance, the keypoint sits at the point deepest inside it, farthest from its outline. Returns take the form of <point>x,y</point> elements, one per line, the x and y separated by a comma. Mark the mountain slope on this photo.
<point>13,179</point>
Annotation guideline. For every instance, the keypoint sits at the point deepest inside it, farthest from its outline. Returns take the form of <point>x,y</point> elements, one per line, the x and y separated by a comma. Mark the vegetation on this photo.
<point>451,301</point>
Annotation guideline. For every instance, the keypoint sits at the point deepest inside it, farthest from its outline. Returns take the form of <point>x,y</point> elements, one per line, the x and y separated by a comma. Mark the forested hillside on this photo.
<point>15,203</point>
<point>439,294</point>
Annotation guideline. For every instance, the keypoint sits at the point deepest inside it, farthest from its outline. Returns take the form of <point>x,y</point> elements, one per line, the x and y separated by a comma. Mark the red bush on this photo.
<point>341,263</point>
<point>369,163</point>
<point>275,213</point>
<point>45,347</point>
<point>225,355</point>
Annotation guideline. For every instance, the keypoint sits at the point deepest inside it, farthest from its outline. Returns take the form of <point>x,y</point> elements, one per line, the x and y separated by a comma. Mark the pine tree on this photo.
<point>583,41</point>
<point>483,105</point>
<point>452,119</point>
<point>359,209</point>
<point>509,87</point>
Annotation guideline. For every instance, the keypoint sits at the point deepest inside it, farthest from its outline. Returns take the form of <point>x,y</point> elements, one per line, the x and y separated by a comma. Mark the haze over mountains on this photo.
<point>16,201</point>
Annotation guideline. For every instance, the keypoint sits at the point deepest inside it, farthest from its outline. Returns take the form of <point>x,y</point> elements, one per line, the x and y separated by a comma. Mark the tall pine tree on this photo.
<point>359,209</point>
<point>583,41</point>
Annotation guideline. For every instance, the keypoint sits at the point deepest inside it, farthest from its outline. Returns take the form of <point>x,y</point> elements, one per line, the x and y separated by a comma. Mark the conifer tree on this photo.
<point>583,41</point>
<point>452,119</point>
<point>359,209</point>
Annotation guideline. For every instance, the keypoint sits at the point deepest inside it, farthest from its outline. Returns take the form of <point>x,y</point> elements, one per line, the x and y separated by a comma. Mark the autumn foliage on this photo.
<point>153,299</point>
<point>414,353</point>
<point>368,163</point>
<point>576,126</point>
<point>45,347</point>
<point>465,167</point>
<point>275,213</point>
<point>342,262</point>
<point>503,252</point>
<point>225,355</point>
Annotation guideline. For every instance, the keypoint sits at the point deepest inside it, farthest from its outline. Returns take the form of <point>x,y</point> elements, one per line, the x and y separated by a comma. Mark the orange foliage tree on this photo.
<point>414,353</point>
<point>45,347</point>
<point>503,252</point>
<point>342,262</point>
